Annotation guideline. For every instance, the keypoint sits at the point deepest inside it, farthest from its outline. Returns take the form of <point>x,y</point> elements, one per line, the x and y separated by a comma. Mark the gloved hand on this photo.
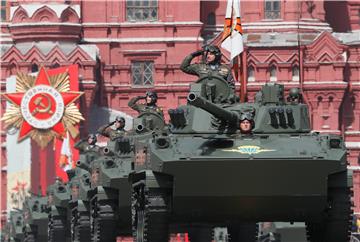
<point>197,53</point>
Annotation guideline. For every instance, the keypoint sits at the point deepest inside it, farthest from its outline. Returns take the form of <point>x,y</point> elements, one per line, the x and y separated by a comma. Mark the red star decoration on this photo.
<point>20,186</point>
<point>41,79</point>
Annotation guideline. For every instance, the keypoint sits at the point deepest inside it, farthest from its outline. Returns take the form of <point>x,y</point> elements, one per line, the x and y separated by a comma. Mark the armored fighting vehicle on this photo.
<point>35,219</point>
<point>205,173</point>
<point>79,204</point>
<point>59,213</point>
<point>15,226</point>
<point>110,189</point>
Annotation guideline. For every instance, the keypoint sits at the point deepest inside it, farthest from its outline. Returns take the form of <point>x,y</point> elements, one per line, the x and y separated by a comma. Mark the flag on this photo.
<point>232,40</point>
<point>65,161</point>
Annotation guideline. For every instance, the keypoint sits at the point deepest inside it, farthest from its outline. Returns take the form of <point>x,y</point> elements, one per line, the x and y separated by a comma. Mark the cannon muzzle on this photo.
<point>139,128</point>
<point>212,108</point>
<point>83,165</point>
<point>107,151</point>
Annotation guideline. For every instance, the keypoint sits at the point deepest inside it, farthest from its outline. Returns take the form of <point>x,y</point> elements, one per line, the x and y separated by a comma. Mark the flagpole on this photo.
<point>243,81</point>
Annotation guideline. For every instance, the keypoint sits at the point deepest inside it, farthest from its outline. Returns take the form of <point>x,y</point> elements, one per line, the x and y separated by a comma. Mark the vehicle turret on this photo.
<point>270,111</point>
<point>215,110</point>
<point>16,223</point>
<point>35,218</point>
<point>59,213</point>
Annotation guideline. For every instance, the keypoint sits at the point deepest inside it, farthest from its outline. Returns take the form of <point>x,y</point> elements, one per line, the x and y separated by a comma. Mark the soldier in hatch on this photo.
<point>295,96</point>
<point>149,105</point>
<point>211,65</point>
<point>246,123</point>
<point>87,145</point>
<point>119,131</point>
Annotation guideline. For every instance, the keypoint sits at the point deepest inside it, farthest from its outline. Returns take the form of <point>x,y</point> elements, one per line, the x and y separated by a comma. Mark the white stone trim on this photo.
<point>355,83</point>
<point>352,132</point>
<point>326,82</point>
<point>292,83</point>
<point>158,85</point>
<point>88,82</point>
<point>143,40</point>
<point>326,131</point>
<point>295,78</point>
<point>270,23</point>
<point>354,168</point>
<point>143,51</point>
<point>6,39</point>
<point>44,24</point>
<point>134,24</point>
<point>352,144</point>
<point>287,25</point>
<point>33,7</point>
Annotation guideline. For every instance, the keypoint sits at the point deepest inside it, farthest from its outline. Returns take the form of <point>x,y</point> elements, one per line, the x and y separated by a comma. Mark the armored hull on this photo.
<point>59,212</point>
<point>35,219</point>
<point>207,171</point>
<point>110,195</point>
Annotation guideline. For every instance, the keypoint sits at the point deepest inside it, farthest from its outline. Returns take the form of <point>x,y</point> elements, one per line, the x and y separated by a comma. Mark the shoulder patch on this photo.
<point>224,70</point>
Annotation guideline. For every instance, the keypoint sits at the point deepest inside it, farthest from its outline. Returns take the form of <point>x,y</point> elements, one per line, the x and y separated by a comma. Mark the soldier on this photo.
<point>246,123</point>
<point>150,103</point>
<point>211,66</point>
<point>295,96</point>
<point>87,145</point>
<point>113,134</point>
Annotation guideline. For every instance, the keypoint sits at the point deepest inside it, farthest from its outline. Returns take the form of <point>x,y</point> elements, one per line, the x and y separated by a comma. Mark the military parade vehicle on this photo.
<point>59,213</point>
<point>110,190</point>
<point>35,219</point>
<point>15,226</point>
<point>79,204</point>
<point>205,173</point>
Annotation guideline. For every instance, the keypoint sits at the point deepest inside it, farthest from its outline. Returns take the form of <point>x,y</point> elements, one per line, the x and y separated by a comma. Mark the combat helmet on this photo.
<point>214,50</point>
<point>294,95</point>
<point>153,95</point>
<point>93,137</point>
<point>247,116</point>
<point>120,119</point>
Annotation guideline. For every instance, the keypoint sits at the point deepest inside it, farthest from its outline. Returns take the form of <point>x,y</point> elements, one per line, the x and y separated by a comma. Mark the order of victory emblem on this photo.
<point>248,149</point>
<point>43,107</point>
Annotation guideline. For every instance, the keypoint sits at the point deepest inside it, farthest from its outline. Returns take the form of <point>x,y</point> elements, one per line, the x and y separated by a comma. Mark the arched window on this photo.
<point>251,73</point>
<point>273,71</point>
<point>34,68</point>
<point>211,20</point>
<point>295,73</point>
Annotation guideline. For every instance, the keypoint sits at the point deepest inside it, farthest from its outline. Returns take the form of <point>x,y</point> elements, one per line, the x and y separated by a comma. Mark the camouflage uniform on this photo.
<point>203,70</point>
<point>113,134</point>
<point>144,108</point>
<point>84,146</point>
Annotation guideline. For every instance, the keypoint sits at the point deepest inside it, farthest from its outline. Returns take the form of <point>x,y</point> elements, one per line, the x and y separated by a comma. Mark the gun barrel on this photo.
<point>215,110</point>
<point>81,164</point>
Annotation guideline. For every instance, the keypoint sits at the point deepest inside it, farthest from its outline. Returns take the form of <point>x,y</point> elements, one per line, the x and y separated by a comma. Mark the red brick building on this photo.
<point>124,48</point>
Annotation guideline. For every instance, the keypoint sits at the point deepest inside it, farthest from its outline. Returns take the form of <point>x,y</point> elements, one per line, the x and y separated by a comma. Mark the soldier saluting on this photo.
<point>87,145</point>
<point>149,105</point>
<point>211,65</point>
<point>119,131</point>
